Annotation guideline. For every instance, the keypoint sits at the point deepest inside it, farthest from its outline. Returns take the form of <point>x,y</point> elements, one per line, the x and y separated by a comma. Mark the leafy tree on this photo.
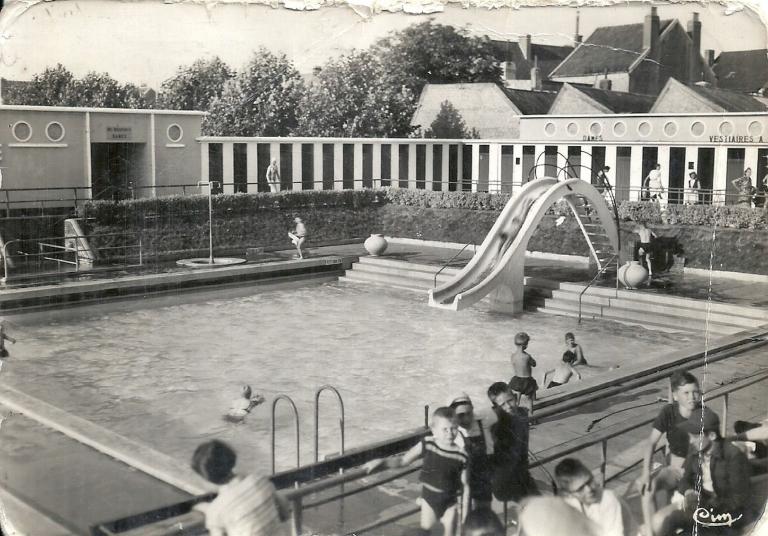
<point>354,97</point>
<point>52,87</point>
<point>449,124</point>
<point>99,90</point>
<point>435,53</point>
<point>194,87</point>
<point>261,100</point>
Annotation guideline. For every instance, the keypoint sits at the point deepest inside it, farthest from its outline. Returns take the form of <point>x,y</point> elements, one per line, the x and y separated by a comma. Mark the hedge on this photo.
<point>735,217</point>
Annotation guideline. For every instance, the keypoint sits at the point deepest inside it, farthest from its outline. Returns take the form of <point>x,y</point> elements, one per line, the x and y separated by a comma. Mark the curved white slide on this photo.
<point>497,267</point>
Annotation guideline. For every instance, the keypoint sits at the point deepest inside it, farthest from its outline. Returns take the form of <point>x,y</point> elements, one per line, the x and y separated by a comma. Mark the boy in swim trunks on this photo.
<point>522,383</point>
<point>574,350</point>
<point>444,473</point>
<point>298,236</point>
<point>562,373</point>
<point>644,250</point>
<point>3,337</point>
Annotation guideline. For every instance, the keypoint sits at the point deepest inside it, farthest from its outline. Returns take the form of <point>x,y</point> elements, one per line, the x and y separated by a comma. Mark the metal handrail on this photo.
<point>317,418</point>
<point>598,274</point>
<point>288,399</point>
<point>444,266</point>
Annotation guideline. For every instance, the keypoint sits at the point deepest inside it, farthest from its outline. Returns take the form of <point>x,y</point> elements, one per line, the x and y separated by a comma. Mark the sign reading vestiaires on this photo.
<point>736,139</point>
<point>119,133</point>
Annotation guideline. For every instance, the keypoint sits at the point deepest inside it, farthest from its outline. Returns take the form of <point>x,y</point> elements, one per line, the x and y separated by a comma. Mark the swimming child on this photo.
<point>298,236</point>
<point>562,372</point>
<point>3,337</point>
<point>444,473</point>
<point>574,350</point>
<point>242,405</point>
<point>522,383</point>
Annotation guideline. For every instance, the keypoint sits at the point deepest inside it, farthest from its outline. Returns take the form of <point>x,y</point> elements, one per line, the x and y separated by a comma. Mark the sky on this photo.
<point>145,41</point>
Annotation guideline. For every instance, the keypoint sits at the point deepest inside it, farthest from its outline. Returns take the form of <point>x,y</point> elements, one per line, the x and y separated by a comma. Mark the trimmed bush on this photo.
<point>704,215</point>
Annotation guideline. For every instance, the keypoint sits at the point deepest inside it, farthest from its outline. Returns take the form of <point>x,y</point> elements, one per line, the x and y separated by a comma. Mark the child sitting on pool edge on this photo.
<point>444,473</point>
<point>244,404</point>
<point>574,349</point>
<point>562,372</point>
<point>3,337</point>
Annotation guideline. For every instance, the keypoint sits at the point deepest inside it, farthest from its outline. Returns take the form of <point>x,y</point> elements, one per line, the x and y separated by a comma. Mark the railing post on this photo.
<point>724,420</point>
<point>603,460</point>
<point>141,257</point>
<point>296,515</point>
<point>7,204</point>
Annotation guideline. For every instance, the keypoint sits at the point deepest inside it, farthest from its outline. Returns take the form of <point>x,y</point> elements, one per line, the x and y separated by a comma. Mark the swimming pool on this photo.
<point>163,370</point>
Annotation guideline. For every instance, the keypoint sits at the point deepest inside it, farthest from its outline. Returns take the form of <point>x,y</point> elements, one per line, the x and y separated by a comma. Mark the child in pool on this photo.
<point>244,404</point>
<point>3,337</point>
<point>574,350</point>
<point>562,372</point>
<point>444,473</point>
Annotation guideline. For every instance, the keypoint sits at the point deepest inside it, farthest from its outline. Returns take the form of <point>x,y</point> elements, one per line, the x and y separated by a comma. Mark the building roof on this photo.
<point>742,70</point>
<point>548,56</point>
<point>609,49</point>
<point>729,101</point>
<point>618,102</point>
<point>530,102</point>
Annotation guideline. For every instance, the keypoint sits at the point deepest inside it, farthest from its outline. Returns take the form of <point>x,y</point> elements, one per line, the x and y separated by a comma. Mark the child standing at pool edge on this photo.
<point>298,236</point>
<point>3,337</point>
<point>522,383</point>
<point>443,475</point>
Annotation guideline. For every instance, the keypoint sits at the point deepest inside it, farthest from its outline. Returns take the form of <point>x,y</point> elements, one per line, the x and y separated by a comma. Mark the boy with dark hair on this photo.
<point>511,478</point>
<point>444,473</point>
<point>522,383</point>
<point>579,488</point>
<point>244,505</point>
<point>562,372</point>
<point>715,485</point>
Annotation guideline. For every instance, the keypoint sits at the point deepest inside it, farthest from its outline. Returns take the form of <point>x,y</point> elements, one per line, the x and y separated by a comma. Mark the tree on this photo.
<point>449,124</point>
<point>261,100</point>
<point>52,87</point>
<point>435,53</point>
<point>354,97</point>
<point>99,90</point>
<point>195,86</point>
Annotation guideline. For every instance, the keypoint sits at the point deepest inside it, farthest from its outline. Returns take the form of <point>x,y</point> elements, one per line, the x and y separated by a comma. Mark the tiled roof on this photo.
<point>742,70</point>
<point>619,102</point>
<point>548,56</point>
<point>609,49</point>
<point>730,101</point>
<point>531,102</point>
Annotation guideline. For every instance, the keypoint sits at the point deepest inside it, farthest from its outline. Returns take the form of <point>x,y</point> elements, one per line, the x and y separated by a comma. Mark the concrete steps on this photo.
<point>655,311</point>
<point>397,274</point>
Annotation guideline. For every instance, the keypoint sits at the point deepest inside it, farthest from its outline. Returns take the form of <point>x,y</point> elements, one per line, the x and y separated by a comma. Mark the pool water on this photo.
<point>163,370</point>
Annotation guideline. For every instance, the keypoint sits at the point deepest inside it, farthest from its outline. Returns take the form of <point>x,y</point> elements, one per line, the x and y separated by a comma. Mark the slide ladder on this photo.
<point>496,270</point>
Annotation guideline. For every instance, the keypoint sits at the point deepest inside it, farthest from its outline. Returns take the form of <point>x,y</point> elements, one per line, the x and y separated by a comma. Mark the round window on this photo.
<point>573,129</point>
<point>619,128</point>
<point>670,128</point>
<point>54,131</point>
<point>595,129</point>
<point>644,128</point>
<point>22,131</point>
<point>175,133</point>
<point>697,128</point>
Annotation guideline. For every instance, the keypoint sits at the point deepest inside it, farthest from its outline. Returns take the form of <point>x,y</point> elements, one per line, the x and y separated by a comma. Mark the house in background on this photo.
<point>580,99</point>
<point>745,71</point>
<point>638,58</point>
<point>493,111</point>
<point>681,98</point>
<point>527,65</point>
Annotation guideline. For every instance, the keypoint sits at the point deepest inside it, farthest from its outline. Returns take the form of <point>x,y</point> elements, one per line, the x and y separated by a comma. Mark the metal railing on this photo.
<point>597,275</point>
<point>448,263</point>
<point>33,253</point>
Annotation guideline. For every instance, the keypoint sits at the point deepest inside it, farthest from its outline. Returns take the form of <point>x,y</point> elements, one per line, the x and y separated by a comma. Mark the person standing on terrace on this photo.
<point>273,177</point>
<point>686,398</point>
<point>654,185</point>
<point>692,188</point>
<point>746,190</point>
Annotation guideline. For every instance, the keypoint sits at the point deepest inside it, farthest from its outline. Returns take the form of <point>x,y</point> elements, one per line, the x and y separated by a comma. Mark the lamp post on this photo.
<point>210,217</point>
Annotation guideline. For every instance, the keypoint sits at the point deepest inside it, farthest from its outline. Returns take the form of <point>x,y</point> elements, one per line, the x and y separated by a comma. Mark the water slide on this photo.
<point>496,270</point>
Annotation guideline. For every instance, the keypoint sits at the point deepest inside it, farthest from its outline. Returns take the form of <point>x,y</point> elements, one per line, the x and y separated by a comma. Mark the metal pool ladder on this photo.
<point>295,412</point>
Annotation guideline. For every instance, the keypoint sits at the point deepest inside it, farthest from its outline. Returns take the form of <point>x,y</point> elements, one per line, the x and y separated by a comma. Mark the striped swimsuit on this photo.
<point>441,475</point>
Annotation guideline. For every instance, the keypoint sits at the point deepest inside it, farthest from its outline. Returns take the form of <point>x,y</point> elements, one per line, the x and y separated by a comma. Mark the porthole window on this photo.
<point>21,131</point>
<point>54,131</point>
<point>726,128</point>
<point>644,128</point>
<point>697,128</point>
<point>595,129</point>
<point>175,133</point>
<point>755,128</point>
<point>550,129</point>
<point>619,128</point>
<point>573,129</point>
<point>670,128</point>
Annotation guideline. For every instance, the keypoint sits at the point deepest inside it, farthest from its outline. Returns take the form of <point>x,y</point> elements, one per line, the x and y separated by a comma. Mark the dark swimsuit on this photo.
<point>480,469</point>
<point>441,476</point>
<point>524,386</point>
<point>552,384</point>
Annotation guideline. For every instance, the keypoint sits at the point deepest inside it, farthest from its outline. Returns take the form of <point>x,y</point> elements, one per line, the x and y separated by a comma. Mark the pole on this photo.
<point>210,223</point>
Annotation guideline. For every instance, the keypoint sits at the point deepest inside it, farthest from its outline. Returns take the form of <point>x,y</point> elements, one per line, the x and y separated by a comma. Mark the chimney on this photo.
<point>525,46</point>
<point>535,75</point>
<point>651,27</point>
<point>577,36</point>
<point>694,32</point>
<point>603,83</point>
<point>709,54</point>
